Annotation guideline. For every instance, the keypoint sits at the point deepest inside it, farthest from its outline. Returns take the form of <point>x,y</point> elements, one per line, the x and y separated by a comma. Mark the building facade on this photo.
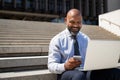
<point>90,8</point>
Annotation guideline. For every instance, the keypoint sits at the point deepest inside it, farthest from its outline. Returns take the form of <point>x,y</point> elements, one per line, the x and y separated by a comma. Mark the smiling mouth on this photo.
<point>75,28</point>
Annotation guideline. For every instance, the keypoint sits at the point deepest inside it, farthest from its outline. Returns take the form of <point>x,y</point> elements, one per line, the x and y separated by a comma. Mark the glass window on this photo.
<point>68,5</point>
<point>29,5</point>
<point>8,4</point>
<point>77,4</point>
<point>19,3</point>
<point>51,6</point>
<point>0,4</point>
<point>8,1</point>
<point>42,5</point>
<point>59,6</point>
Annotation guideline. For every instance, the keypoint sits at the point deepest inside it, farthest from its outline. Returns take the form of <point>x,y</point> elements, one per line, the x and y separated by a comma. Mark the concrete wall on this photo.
<point>113,5</point>
<point>111,22</point>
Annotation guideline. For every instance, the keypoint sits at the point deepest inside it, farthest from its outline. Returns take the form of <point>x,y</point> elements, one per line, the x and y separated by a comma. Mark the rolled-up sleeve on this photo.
<point>54,58</point>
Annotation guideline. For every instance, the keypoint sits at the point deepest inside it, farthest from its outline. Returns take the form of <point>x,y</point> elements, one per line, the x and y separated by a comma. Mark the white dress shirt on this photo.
<point>61,48</point>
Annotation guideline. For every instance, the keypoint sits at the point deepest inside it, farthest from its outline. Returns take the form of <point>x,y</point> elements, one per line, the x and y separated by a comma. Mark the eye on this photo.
<point>72,22</point>
<point>79,22</point>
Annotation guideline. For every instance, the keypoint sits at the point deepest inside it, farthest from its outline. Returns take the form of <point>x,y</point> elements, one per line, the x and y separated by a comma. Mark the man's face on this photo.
<point>74,24</point>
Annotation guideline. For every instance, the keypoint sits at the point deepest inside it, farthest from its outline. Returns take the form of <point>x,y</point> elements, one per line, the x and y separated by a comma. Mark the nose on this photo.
<point>76,25</point>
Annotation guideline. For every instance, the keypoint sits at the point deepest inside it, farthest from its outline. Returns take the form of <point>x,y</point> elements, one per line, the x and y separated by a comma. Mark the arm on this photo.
<point>54,58</point>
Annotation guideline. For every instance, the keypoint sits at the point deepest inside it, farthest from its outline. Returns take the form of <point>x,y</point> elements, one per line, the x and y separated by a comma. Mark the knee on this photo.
<point>79,76</point>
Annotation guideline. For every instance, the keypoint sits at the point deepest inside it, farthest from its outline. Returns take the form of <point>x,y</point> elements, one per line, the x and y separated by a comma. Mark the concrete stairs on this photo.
<point>28,75</point>
<point>25,68</point>
<point>37,62</point>
<point>24,47</point>
<point>24,50</point>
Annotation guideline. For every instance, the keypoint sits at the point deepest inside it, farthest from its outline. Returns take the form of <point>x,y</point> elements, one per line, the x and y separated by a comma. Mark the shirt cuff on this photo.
<point>62,68</point>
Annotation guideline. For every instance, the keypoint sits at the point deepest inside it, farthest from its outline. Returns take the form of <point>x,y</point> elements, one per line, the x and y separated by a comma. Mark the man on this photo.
<point>61,52</point>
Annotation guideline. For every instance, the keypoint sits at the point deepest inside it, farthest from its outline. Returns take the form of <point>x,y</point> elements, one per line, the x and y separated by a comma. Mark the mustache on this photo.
<point>75,27</point>
<point>73,32</point>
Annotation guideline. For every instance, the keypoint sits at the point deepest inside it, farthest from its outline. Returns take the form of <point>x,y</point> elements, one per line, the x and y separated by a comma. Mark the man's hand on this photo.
<point>72,63</point>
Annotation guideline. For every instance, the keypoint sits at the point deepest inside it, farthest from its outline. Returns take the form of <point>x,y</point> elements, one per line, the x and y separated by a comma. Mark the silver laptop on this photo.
<point>101,55</point>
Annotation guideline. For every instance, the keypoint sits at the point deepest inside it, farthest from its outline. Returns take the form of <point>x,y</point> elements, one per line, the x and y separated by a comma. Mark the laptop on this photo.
<point>102,54</point>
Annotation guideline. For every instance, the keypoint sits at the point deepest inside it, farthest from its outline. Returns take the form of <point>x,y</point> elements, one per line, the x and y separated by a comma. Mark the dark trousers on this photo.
<point>105,74</point>
<point>72,75</point>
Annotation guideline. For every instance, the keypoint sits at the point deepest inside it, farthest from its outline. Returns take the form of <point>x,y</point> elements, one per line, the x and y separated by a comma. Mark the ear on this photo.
<point>65,20</point>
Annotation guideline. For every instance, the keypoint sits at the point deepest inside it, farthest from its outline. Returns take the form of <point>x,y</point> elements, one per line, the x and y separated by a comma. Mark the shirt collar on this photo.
<point>68,33</point>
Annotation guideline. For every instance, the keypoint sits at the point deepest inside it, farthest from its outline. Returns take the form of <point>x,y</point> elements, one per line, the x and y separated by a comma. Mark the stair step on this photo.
<point>23,49</point>
<point>23,54</point>
<point>28,75</point>
<point>14,62</point>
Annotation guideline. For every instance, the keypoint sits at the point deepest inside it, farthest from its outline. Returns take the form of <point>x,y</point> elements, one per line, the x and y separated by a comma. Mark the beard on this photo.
<point>74,30</point>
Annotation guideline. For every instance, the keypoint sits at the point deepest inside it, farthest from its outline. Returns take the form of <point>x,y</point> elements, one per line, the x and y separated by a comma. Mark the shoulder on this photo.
<point>83,36</point>
<point>84,39</point>
<point>58,37</point>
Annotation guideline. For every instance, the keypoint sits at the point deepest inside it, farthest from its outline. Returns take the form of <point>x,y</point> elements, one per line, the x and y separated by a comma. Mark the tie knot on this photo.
<point>74,37</point>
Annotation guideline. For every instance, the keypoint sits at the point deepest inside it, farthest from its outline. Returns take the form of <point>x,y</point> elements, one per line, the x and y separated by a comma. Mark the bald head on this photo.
<point>73,13</point>
<point>73,21</point>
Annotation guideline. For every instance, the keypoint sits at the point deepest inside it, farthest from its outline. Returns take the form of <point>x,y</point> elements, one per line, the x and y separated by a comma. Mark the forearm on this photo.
<point>56,68</point>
